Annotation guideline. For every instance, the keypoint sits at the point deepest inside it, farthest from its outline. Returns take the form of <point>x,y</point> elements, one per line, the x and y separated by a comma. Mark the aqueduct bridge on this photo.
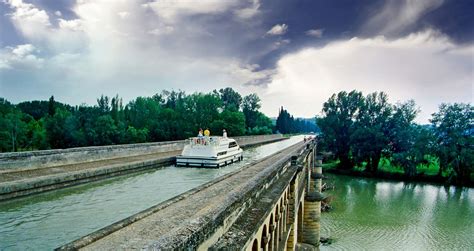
<point>270,204</point>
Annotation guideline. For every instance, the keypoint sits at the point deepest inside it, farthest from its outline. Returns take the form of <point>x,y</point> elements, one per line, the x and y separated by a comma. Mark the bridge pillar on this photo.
<point>315,182</point>
<point>312,217</point>
<point>312,206</point>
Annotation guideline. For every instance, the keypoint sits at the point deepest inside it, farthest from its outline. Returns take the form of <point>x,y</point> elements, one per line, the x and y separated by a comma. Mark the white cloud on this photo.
<point>123,14</point>
<point>398,15</point>
<point>23,50</point>
<point>31,21</point>
<point>278,29</point>
<point>250,11</point>
<point>20,57</point>
<point>424,66</point>
<point>101,51</point>
<point>171,10</point>
<point>162,31</point>
<point>58,13</point>
<point>315,33</point>
<point>280,43</point>
<point>73,25</point>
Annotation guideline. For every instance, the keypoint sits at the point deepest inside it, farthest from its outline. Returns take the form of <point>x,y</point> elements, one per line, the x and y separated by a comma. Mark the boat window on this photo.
<point>221,153</point>
<point>232,144</point>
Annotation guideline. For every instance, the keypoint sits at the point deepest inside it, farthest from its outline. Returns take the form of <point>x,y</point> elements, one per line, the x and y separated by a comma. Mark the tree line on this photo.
<point>361,130</point>
<point>286,123</point>
<point>170,115</point>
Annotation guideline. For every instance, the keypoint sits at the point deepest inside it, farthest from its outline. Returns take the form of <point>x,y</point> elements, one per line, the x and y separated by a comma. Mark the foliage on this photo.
<point>454,128</point>
<point>338,124</point>
<point>231,99</point>
<point>369,137</point>
<point>170,115</point>
<point>363,131</point>
<point>286,123</point>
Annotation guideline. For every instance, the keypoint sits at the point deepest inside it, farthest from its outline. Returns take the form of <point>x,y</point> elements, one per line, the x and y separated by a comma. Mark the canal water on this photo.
<point>371,214</point>
<point>49,220</point>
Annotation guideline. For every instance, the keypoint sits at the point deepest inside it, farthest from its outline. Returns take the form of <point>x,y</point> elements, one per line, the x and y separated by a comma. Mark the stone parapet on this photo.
<point>58,157</point>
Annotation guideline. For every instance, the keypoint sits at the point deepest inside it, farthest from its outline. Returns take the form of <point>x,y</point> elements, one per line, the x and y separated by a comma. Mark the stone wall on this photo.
<point>57,157</point>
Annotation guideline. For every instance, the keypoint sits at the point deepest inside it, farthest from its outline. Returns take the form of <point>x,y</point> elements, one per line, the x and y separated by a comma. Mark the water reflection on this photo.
<point>374,215</point>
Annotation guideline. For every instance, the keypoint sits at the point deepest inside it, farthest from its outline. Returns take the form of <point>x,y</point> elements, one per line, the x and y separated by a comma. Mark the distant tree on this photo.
<point>231,99</point>
<point>103,103</point>
<point>56,128</point>
<point>116,109</point>
<point>51,106</point>
<point>250,107</point>
<point>338,123</point>
<point>454,128</point>
<point>233,122</point>
<point>136,136</point>
<point>36,135</point>
<point>37,109</point>
<point>12,130</point>
<point>414,150</point>
<point>106,130</point>
<point>370,136</point>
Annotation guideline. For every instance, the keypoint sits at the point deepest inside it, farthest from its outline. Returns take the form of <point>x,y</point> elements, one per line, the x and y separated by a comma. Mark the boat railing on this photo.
<point>204,141</point>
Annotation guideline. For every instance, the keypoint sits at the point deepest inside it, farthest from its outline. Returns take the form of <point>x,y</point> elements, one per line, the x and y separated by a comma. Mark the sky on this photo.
<point>292,53</point>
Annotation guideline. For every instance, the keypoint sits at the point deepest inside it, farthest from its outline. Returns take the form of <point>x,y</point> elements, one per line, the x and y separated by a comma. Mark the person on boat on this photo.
<point>224,133</point>
<point>207,133</point>
<point>200,136</point>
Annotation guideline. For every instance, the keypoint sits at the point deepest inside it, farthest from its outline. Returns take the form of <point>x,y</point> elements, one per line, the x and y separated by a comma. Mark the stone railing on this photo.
<point>57,157</point>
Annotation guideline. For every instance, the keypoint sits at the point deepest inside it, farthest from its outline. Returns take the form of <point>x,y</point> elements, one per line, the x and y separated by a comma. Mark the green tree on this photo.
<point>250,106</point>
<point>231,99</point>
<point>56,128</point>
<point>454,127</point>
<point>13,130</point>
<point>103,103</point>
<point>338,123</point>
<point>370,136</point>
<point>136,136</point>
<point>106,130</point>
<point>37,135</point>
<point>51,106</point>
<point>232,122</point>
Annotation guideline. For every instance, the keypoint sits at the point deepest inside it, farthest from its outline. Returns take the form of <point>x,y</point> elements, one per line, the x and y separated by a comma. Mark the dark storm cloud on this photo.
<point>110,47</point>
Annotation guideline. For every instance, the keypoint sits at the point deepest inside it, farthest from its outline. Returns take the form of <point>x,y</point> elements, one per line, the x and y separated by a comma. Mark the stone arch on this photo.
<point>255,245</point>
<point>300,223</point>
<point>271,233</point>
<point>263,243</point>
<point>281,228</point>
<point>277,226</point>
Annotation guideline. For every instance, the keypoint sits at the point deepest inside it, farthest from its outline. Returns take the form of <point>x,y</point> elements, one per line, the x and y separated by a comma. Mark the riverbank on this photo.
<point>396,175</point>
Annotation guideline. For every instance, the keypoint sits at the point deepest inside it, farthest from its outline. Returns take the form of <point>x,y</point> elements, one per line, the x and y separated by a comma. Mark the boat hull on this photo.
<point>208,162</point>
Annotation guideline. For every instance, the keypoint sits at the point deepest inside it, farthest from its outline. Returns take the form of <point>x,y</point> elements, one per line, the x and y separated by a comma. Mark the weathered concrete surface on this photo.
<point>15,182</point>
<point>243,230</point>
<point>58,157</point>
<point>188,220</point>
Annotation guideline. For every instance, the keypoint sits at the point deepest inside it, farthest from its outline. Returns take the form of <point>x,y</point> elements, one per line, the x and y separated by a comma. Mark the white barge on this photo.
<point>210,152</point>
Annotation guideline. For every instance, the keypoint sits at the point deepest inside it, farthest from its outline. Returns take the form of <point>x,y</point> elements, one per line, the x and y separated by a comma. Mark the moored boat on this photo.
<point>209,152</point>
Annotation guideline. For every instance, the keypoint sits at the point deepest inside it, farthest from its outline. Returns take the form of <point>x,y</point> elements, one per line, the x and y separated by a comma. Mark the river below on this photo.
<point>371,214</point>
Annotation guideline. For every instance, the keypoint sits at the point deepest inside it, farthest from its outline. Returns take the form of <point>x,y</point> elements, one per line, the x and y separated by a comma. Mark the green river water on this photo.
<point>371,214</point>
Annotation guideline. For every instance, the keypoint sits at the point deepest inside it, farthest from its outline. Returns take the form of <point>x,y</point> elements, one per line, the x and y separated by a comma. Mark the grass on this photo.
<point>385,165</point>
